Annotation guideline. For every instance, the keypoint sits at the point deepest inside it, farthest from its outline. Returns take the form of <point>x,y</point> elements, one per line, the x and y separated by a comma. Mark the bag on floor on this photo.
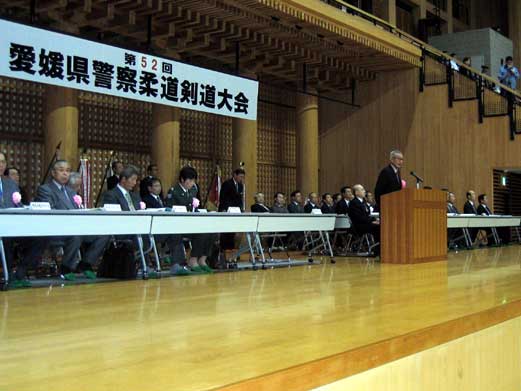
<point>118,262</point>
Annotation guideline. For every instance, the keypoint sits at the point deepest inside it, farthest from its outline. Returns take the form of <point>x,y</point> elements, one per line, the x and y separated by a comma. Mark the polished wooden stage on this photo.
<point>280,329</point>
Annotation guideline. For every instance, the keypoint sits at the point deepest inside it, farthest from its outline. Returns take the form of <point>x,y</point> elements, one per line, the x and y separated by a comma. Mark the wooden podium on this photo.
<point>413,226</point>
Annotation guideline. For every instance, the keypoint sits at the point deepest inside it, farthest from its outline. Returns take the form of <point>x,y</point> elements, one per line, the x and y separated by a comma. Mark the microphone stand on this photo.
<point>107,168</point>
<point>54,158</point>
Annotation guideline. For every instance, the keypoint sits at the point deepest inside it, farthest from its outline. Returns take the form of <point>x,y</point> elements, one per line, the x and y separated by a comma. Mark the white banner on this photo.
<point>47,57</point>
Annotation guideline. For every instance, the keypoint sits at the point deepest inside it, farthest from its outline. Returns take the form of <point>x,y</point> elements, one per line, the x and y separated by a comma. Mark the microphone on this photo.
<point>416,176</point>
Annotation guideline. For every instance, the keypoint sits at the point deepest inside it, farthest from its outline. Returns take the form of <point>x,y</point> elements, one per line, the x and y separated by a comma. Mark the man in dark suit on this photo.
<point>113,181</point>
<point>483,209</point>
<point>470,204</point>
<point>342,206</point>
<point>14,173</point>
<point>389,179</point>
<point>295,205</point>
<point>259,206</point>
<point>231,195</point>
<point>327,204</point>
<point>29,253</point>
<point>61,197</point>
<point>312,203</point>
<point>152,172</point>
<point>360,215</point>
<point>279,203</point>
<point>451,206</point>
<point>152,198</point>
<point>232,191</point>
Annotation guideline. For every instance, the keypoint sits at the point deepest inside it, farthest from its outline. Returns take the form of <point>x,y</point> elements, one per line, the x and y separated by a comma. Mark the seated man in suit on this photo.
<point>183,194</point>
<point>152,198</point>
<point>451,206</point>
<point>61,197</point>
<point>231,195</point>
<point>483,209</point>
<point>371,202</point>
<point>14,173</point>
<point>279,203</point>
<point>295,205</point>
<point>360,215</point>
<point>259,206</point>
<point>470,204</point>
<point>470,208</point>
<point>327,204</point>
<point>152,172</point>
<point>389,179</point>
<point>29,253</point>
<point>342,206</point>
<point>312,203</point>
<point>113,181</point>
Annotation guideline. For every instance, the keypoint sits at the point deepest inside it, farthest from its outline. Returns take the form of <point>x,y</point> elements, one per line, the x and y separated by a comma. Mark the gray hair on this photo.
<point>74,178</point>
<point>394,153</point>
<point>257,196</point>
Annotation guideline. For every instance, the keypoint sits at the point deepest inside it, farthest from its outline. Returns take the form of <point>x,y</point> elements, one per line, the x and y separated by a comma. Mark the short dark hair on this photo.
<point>294,193</point>
<point>509,58</point>
<point>128,172</point>
<point>468,194</point>
<point>277,193</point>
<point>325,195</point>
<point>115,163</point>
<point>153,180</point>
<point>343,190</point>
<point>239,171</point>
<point>150,166</point>
<point>427,187</point>
<point>481,197</point>
<point>187,172</point>
<point>6,172</point>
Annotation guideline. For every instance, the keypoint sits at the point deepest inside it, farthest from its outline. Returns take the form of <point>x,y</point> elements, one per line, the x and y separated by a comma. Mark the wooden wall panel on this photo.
<point>21,129</point>
<point>447,146</point>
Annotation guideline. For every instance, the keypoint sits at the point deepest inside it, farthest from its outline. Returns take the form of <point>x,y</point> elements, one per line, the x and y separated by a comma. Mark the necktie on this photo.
<point>159,200</point>
<point>1,193</point>
<point>129,202</point>
<point>69,202</point>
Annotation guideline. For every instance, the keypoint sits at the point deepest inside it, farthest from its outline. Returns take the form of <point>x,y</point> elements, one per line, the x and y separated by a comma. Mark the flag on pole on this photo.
<point>212,202</point>
<point>86,182</point>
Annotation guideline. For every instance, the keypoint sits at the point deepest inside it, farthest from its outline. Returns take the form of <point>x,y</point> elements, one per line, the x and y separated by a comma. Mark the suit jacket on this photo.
<point>342,207</point>
<point>230,196</point>
<point>49,192</point>
<point>115,196</point>
<point>451,208</point>
<point>279,209</point>
<point>328,210</point>
<point>259,208</point>
<point>360,214</point>
<point>178,196</point>
<point>469,209</point>
<point>112,182</point>
<point>295,208</point>
<point>8,188</point>
<point>387,182</point>
<point>484,210</point>
<point>308,207</point>
<point>152,202</point>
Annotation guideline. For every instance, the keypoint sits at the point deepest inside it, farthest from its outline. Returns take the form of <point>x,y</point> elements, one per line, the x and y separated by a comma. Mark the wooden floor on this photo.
<point>206,332</point>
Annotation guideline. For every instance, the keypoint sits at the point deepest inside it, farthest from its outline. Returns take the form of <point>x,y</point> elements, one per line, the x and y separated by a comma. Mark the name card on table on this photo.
<point>234,209</point>
<point>112,208</point>
<point>316,212</point>
<point>40,206</point>
<point>202,210</point>
<point>179,209</point>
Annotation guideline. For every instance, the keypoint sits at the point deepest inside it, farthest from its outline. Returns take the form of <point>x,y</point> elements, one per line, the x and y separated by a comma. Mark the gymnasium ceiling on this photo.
<point>274,38</point>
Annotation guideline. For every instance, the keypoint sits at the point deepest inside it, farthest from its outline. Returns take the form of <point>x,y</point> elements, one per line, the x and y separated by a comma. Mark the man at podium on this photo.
<point>389,179</point>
